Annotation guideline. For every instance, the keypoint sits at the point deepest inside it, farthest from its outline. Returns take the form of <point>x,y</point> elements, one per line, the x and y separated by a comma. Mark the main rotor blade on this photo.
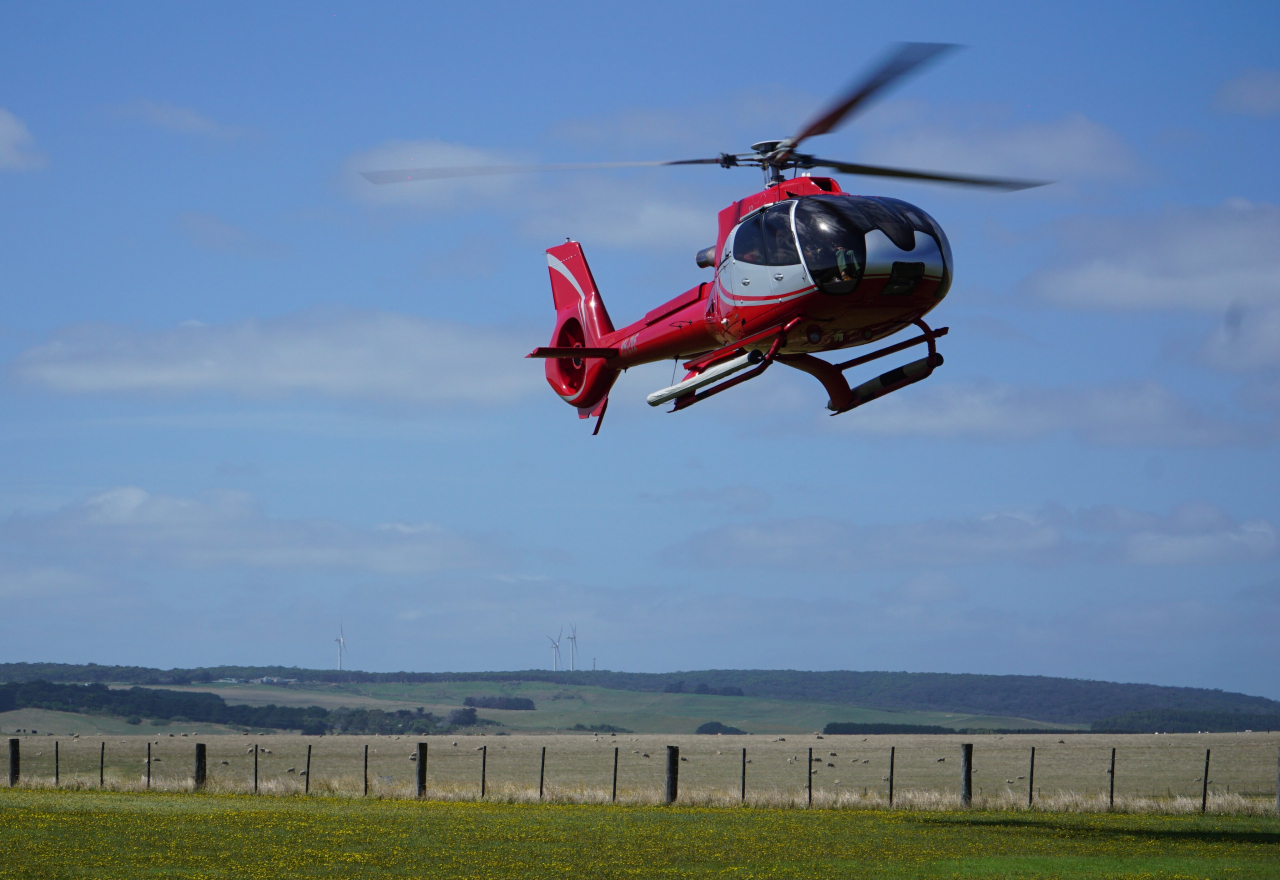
<point>1004,183</point>
<point>405,175</point>
<point>907,58</point>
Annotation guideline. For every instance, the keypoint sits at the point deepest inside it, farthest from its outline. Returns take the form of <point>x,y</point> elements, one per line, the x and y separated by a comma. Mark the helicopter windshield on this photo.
<point>834,243</point>
<point>766,239</point>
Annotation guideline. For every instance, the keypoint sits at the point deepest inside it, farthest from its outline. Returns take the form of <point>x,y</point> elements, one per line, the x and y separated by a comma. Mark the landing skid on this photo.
<point>842,397</point>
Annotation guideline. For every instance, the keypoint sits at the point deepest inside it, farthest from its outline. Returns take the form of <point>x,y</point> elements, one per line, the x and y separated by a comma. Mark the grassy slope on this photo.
<point>562,706</point>
<point>65,723</point>
<point>78,834</point>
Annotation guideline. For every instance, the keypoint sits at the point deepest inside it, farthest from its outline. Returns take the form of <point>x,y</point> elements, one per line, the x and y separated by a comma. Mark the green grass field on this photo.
<point>79,834</point>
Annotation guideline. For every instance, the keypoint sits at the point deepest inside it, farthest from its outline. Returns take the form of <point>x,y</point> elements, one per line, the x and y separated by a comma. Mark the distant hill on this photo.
<point>1182,721</point>
<point>1054,700</point>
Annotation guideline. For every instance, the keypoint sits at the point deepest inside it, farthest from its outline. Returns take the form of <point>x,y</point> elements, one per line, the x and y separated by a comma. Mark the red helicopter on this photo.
<point>801,268</point>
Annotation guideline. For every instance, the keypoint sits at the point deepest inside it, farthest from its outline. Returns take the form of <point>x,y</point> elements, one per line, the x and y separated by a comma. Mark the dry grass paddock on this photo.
<point>1153,773</point>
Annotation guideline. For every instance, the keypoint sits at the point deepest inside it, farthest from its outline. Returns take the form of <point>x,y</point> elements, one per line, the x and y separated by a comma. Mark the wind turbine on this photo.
<point>555,651</point>
<point>573,647</point>
<point>342,646</point>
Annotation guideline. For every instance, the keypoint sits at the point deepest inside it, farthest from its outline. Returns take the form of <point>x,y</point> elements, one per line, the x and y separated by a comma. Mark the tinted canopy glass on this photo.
<point>833,242</point>
<point>766,239</point>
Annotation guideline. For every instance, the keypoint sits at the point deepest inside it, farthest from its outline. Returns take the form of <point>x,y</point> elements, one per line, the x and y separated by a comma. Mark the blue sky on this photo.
<point>246,397</point>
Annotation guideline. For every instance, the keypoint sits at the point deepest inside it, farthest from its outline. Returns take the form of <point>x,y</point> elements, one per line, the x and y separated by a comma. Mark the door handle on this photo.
<point>746,282</point>
<point>778,277</point>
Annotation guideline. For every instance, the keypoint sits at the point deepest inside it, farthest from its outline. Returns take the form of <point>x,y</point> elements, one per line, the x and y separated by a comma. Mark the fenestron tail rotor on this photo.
<point>775,156</point>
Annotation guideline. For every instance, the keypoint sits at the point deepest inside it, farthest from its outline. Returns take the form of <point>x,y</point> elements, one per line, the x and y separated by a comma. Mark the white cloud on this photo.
<point>229,530</point>
<point>181,120</point>
<point>1205,259</point>
<point>17,146</point>
<point>1191,534</point>
<point>1253,93</point>
<point>364,355</point>
<point>212,233</point>
<point>1072,148</point>
<point>1140,413</point>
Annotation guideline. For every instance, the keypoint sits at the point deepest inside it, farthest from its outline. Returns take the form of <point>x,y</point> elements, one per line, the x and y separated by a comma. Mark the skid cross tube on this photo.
<point>772,355</point>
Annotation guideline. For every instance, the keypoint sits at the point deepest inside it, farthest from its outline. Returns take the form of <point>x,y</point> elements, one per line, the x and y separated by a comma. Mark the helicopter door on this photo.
<point>752,286</point>
<point>786,274</point>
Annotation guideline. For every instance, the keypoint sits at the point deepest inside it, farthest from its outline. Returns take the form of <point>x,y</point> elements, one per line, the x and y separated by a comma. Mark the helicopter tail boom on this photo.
<point>581,322</point>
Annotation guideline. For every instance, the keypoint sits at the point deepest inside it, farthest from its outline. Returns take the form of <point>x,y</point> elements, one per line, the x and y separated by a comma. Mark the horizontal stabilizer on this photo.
<point>572,353</point>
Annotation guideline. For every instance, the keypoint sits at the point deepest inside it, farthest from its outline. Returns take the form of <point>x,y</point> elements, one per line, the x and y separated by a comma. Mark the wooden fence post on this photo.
<point>673,774</point>
<point>744,776</point>
<point>1204,793</point>
<point>200,766</point>
<point>366,769</point>
<point>966,774</point>
<point>484,762</point>
<point>13,762</point>
<point>1031,777</point>
<point>306,789</point>
<point>542,771</point>
<point>809,777</point>
<point>421,770</point>
<point>256,749</point>
<point>148,766</point>
<point>615,775</point>
<point>102,765</point>
<point>1111,804</point>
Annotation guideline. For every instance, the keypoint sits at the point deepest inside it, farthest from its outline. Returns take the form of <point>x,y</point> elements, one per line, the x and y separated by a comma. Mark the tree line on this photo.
<point>138,703</point>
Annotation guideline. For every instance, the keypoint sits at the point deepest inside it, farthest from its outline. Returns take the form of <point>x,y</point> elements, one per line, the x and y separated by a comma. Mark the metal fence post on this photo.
<point>13,762</point>
<point>615,775</point>
<point>421,770</point>
<point>966,774</point>
<point>256,749</point>
<point>542,771</point>
<point>1204,792</point>
<point>306,789</point>
<point>673,773</point>
<point>892,750</point>
<point>1112,773</point>
<point>809,777</point>
<point>366,769</point>
<point>102,765</point>
<point>744,776</point>
<point>200,766</point>
<point>484,762</point>
<point>149,766</point>
<point>1031,777</point>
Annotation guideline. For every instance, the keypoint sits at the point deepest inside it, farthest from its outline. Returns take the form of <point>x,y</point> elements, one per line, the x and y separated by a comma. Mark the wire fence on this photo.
<point>1042,772</point>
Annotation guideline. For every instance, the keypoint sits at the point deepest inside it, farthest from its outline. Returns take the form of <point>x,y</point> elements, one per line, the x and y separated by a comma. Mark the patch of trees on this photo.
<point>1057,700</point>
<point>1181,721</point>
<point>677,687</point>
<point>601,728</point>
<point>714,727</point>
<point>518,703</point>
<point>167,705</point>
<point>848,728</point>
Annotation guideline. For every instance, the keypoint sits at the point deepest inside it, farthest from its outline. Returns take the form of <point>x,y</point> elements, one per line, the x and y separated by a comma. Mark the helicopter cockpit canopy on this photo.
<point>766,238</point>
<point>832,233</point>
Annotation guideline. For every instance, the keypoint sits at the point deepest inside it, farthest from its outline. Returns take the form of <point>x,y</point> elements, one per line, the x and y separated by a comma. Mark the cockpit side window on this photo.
<point>748,242</point>
<point>779,242</point>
